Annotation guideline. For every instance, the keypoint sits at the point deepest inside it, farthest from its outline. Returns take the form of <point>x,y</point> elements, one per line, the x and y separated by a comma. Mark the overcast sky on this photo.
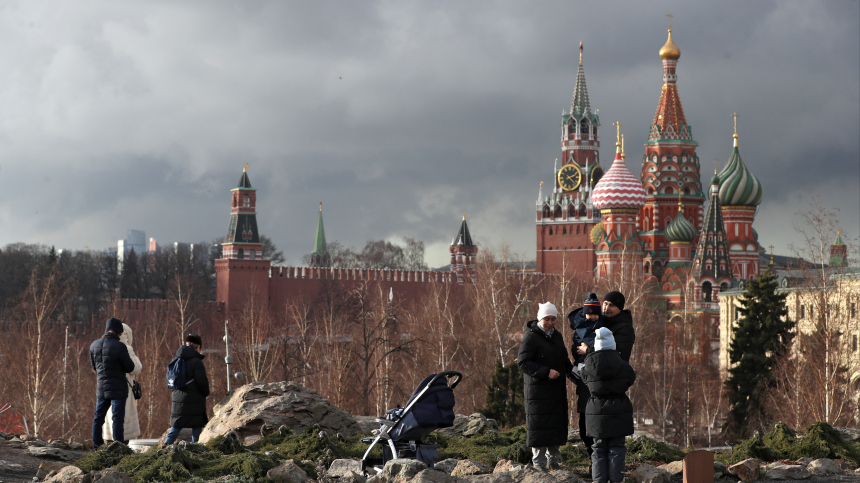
<point>398,116</point>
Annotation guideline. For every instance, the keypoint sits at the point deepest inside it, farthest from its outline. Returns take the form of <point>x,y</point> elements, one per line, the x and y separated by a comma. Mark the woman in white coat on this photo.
<point>131,428</point>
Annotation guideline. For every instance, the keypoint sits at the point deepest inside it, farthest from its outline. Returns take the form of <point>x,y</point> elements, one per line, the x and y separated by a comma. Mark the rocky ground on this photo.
<point>283,432</point>
<point>20,460</point>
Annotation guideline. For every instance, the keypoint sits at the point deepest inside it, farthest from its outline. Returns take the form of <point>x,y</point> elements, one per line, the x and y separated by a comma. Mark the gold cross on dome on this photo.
<point>464,216</point>
<point>580,52</point>
<point>716,164</point>
<point>623,137</point>
<point>735,115</point>
<point>246,167</point>
<point>618,125</point>
<point>679,200</point>
<point>669,15</point>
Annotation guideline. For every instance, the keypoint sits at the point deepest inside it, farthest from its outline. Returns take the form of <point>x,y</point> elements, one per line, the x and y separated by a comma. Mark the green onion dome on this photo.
<point>738,186</point>
<point>680,230</point>
<point>597,233</point>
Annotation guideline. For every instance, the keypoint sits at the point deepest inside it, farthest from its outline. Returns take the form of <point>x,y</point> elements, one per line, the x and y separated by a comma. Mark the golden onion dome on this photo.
<point>670,51</point>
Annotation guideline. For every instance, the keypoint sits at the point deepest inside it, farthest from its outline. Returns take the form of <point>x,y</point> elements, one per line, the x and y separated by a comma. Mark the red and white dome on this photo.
<point>618,188</point>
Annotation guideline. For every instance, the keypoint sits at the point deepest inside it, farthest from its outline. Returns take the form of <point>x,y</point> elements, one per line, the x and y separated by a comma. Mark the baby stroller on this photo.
<point>402,430</point>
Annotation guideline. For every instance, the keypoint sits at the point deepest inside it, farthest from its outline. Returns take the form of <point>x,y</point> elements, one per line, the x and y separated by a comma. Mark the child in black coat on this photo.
<point>583,321</point>
<point>609,412</point>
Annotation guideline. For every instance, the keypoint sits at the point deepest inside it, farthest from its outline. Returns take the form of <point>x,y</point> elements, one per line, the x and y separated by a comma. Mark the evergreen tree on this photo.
<point>763,334</point>
<point>130,284</point>
<point>504,401</point>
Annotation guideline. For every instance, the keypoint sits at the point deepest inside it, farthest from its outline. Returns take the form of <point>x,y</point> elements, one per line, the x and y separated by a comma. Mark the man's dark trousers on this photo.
<point>118,418</point>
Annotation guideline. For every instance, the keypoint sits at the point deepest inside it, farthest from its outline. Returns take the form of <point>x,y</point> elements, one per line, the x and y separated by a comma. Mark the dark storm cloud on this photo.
<point>399,116</point>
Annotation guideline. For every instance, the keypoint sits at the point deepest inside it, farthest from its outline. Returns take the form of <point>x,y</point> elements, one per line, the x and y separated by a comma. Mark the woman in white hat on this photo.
<point>545,364</point>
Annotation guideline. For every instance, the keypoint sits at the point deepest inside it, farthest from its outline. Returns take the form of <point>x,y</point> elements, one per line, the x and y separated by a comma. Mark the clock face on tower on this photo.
<point>569,177</point>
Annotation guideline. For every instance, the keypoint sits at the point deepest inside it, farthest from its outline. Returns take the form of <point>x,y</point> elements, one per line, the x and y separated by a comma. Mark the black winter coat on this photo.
<point>622,330</point>
<point>545,398</point>
<point>609,412</point>
<point>109,358</point>
<point>189,403</point>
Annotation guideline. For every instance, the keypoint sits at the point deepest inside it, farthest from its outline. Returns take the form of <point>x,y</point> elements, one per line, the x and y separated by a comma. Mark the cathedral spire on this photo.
<point>669,120</point>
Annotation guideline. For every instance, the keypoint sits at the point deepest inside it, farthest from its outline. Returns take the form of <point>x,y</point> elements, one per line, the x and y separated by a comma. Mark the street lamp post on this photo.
<point>228,359</point>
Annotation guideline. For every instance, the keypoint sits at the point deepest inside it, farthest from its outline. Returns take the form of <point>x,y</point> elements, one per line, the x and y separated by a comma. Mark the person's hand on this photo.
<point>553,374</point>
<point>582,348</point>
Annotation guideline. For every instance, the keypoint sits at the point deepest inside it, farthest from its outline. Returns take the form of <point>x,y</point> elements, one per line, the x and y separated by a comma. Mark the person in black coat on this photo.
<point>584,322</point>
<point>189,403</point>
<point>609,412</point>
<point>619,322</point>
<point>111,362</point>
<point>544,361</point>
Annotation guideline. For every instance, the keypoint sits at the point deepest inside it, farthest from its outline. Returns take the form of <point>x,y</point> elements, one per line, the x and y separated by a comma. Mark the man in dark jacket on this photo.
<point>110,360</point>
<point>189,403</point>
<point>619,322</point>
<point>544,362</point>
<point>609,412</point>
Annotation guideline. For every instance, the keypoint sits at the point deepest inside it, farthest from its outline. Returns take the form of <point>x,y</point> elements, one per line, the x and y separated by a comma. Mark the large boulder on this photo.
<point>287,472</point>
<point>65,475</point>
<point>646,473</point>
<point>849,434</point>
<point>399,470</point>
<point>747,470</point>
<point>824,467</point>
<point>276,404</point>
<point>786,472</point>
<point>471,425</point>
<point>470,467</point>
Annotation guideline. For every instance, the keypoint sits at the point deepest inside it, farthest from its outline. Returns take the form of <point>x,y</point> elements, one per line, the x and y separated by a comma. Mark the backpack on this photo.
<point>176,374</point>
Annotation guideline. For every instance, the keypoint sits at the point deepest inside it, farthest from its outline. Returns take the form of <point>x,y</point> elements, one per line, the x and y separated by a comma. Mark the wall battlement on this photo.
<point>358,274</point>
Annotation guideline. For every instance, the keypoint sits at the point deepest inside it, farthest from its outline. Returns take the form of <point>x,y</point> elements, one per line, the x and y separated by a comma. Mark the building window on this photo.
<point>802,311</point>
<point>853,310</point>
<point>737,313</point>
<point>240,254</point>
<point>247,201</point>
<point>854,343</point>
<point>252,254</point>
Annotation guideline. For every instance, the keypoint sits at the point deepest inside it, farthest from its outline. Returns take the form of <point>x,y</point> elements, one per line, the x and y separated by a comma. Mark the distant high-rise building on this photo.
<point>134,240</point>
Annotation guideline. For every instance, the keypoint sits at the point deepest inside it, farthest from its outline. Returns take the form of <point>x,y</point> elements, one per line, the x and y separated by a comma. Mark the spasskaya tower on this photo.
<point>565,217</point>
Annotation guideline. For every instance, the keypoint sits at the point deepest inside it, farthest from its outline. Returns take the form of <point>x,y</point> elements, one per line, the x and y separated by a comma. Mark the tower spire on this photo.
<point>735,115</point>
<point>320,256</point>
<point>579,104</point>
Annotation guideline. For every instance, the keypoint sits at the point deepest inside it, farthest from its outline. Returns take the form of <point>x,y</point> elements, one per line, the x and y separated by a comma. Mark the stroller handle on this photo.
<point>448,374</point>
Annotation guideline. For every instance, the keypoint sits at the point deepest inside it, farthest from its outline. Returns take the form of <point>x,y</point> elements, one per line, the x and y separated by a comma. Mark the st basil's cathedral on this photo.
<point>603,223</point>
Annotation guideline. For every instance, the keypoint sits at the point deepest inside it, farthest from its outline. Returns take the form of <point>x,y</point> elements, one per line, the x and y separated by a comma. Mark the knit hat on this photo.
<point>592,305</point>
<point>546,310</point>
<point>194,339</point>
<point>604,340</point>
<point>617,299</point>
<point>115,325</point>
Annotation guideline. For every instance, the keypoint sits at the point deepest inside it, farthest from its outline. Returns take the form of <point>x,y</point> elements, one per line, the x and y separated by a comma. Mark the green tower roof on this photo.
<point>319,241</point>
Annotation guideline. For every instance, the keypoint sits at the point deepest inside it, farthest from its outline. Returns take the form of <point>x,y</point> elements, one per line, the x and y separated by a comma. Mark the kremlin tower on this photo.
<point>619,196</point>
<point>241,271</point>
<point>670,166</point>
<point>464,255</point>
<point>566,218</point>
<point>740,195</point>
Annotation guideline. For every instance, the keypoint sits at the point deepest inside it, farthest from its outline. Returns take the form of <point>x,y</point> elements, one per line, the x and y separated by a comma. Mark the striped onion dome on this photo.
<point>597,233</point>
<point>738,186</point>
<point>680,230</point>
<point>618,188</point>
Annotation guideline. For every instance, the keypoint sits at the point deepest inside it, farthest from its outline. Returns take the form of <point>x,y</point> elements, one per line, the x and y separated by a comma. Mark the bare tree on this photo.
<point>41,359</point>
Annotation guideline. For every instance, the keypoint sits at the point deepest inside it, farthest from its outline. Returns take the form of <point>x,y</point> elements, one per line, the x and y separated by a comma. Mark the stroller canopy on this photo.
<point>436,407</point>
